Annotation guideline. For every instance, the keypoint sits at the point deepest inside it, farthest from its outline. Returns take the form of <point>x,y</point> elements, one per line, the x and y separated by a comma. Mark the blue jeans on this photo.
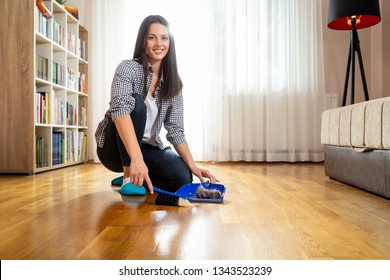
<point>167,170</point>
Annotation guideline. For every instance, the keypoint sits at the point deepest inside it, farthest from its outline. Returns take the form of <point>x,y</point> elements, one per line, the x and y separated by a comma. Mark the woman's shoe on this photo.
<point>131,189</point>
<point>117,181</point>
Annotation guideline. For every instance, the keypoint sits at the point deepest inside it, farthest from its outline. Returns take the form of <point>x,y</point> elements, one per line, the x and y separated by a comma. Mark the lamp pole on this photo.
<point>354,47</point>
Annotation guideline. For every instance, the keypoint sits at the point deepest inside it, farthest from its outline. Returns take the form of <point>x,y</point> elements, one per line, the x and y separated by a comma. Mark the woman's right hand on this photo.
<point>139,173</point>
<point>138,170</point>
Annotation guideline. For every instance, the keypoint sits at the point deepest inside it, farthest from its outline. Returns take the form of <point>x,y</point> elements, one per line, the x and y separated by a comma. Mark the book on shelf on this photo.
<point>58,110</point>
<point>43,9</point>
<point>82,146</point>
<point>83,83</point>
<point>43,107</point>
<point>41,23</point>
<point>81,45</point>
<point>84,151</point>
<point>82,115</point>
<point>58,33</point>
<point>42,67</point>
<point>58,147</point>
<point>71,114</point>
<point>58,73</point>
<point>71,146</point>
<point>71,78</point>
<point>71,42</point>
<point>41,158</point>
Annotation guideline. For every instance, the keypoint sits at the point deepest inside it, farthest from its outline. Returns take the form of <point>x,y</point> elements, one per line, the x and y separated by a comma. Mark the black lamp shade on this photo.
<point>367,13</point>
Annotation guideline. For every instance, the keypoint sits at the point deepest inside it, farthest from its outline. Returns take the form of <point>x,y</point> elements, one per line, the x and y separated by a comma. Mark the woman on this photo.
<point>146,93</point>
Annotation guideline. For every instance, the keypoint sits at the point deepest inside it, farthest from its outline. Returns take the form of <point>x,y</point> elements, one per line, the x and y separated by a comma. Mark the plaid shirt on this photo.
<point>128,80</point>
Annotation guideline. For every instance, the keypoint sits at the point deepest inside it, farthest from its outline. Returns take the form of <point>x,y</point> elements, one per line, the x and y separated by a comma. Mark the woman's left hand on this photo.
<point>203,173</point>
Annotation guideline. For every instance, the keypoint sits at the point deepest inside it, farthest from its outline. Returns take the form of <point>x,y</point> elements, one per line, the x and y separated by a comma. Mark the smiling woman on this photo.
<point>146,94</point>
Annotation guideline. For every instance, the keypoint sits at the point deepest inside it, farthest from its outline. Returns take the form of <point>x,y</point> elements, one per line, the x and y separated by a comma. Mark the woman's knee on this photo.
<point>109,160</point>
<point>168,171</point>
<point>180,174</point>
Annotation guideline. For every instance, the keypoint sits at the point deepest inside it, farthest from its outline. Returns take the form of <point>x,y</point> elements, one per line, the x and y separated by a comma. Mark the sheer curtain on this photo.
<point>252,73</point>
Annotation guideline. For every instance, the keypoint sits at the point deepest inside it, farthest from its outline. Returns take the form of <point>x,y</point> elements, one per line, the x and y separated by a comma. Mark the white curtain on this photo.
<point>252,72</point>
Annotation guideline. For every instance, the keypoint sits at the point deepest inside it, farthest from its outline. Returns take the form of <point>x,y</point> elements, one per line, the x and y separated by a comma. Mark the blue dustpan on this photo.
<point>188,192</point>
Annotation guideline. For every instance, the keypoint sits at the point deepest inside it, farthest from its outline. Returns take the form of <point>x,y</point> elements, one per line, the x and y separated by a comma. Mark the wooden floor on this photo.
<point>270,211</point>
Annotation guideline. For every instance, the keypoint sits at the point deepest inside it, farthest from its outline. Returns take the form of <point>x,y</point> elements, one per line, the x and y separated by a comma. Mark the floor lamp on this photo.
<point>353,15</point>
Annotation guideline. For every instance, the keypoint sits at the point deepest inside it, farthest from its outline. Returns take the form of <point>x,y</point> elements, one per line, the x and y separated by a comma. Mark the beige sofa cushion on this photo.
<point>345,126</point>
<point>334,125</point>
<point>373,124</point>
<point>325,127</point>
<point>357,125</point>
<point>363,125</point>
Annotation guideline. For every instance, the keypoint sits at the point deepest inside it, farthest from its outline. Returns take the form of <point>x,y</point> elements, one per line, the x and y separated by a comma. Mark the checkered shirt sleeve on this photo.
<point>174,123</point>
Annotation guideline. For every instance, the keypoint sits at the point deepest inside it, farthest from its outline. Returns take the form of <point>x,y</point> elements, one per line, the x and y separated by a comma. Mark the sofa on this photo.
<point>356,141</point>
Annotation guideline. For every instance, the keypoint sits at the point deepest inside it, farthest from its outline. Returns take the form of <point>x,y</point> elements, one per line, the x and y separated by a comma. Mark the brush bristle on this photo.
<point>183,202</point>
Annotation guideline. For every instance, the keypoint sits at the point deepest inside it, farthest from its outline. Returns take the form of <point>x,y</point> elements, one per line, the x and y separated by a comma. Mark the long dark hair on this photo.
<point>172,84</point>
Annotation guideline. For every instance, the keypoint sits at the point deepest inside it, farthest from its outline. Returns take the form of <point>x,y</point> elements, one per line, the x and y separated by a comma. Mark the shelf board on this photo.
<point>39,81</point>
<point>41,39</point>
<point>56,166</point>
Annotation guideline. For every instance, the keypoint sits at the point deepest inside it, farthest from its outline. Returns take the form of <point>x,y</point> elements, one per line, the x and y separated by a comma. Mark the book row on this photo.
<point>42,67</point>
<point>76,46</point>
<point>63,114</point>
<point>43,110</point>
<point>41,23</point>
<point>41,159</point>
<point>60,36</point>
<point>64,77</point>
<point>71,149</point>
<point>69,77</point>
